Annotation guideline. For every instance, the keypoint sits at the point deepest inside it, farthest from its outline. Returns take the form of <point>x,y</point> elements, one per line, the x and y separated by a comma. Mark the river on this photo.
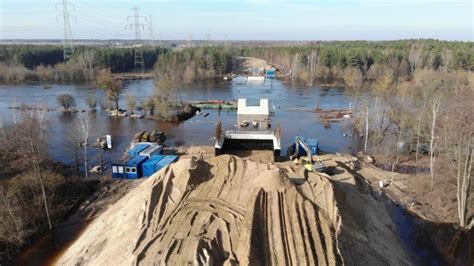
<point>196,131</point>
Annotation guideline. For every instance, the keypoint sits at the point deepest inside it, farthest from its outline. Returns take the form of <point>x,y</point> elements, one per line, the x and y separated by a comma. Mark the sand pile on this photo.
<point>228,210</point>
<point>245,65</point>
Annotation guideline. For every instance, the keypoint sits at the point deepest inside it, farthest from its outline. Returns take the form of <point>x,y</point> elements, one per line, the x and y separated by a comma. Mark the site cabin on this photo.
<point>149,167</point>
<point>156,163</point>
<point>137,148</point>
<point>118,169</point>
<point>133,167</point>
<point>153,149</point>
<point>167,160</point>
<point>253,132</point>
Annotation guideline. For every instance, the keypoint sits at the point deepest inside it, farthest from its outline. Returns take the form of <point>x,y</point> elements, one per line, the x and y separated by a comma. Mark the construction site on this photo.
<point>243,203</point>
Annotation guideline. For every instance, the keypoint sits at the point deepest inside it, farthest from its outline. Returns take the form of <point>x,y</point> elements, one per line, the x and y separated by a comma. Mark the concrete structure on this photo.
<point>253,130</point>
<point>253,116</point>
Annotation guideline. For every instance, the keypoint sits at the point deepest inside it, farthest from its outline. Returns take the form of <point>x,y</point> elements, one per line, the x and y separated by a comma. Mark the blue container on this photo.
<point>313,145</point>
<point>152,151</point>
<point>137,149</point>
<point>118,168</point>
<point>133,167</point>
<point>271,73</point>
<point>149,167</point>
<point>168,159</point>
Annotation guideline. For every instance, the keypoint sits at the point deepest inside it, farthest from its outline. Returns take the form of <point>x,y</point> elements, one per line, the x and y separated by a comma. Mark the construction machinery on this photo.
<point>300,150</point>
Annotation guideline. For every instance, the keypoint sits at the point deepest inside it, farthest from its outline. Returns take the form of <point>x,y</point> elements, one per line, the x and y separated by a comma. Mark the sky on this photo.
<point>241,20</point>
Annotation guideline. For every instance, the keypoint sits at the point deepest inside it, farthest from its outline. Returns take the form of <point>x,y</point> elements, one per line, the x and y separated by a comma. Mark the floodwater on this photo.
<point>198,130</point>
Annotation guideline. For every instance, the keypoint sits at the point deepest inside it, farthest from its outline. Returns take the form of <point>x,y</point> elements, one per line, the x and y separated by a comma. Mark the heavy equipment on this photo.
<point>300,150</point>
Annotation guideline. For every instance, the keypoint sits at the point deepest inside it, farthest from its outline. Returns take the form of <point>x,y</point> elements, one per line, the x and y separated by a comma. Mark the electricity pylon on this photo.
<point>139,61</point>
<point>68,48</point>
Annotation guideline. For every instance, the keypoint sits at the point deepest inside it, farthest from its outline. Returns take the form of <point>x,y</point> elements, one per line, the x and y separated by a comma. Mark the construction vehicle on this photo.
<point>301,150</point>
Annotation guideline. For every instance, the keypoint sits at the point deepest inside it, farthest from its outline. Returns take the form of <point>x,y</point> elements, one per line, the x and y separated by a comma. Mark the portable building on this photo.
<point>137,149</point>
<point>149,167</point>
<point>168,159</point>
<point>133,167</point>
<point>118,168</point>
<point>152,150</point>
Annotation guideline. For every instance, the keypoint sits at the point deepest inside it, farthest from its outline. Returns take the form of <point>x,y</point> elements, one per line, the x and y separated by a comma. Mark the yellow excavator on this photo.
<point>307,159</point>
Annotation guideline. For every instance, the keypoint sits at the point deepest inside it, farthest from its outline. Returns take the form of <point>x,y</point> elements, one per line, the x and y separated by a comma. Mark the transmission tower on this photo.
<point>139,61</point>
<point>68,48</point>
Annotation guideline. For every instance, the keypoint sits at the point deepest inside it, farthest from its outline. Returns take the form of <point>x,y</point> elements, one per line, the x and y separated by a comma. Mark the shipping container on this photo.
<point>137,149</point>
<point>149,167</point>
<point>118,169</point>
<point>168,159</point>
<point>154,149</point>
<point>133,167</point>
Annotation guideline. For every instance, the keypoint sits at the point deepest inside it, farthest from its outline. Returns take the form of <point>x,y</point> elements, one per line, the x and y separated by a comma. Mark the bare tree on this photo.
<point>86,60</point>
<point>435,105</point>
<point>11,225</point>
<point>92,103</point>
<point>464,158</point>
<point>418,132</point>
<point>131,103</point>
<point>353,77</point>
<point>415,57</point>
<point>74,140</point>
<point>366,130</point>
<point>83,126</point>
<point>34,132</point>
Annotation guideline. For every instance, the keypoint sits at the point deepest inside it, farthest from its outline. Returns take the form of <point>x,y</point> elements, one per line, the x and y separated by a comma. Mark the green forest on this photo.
<point>45,62</point>
<point>325,61</point>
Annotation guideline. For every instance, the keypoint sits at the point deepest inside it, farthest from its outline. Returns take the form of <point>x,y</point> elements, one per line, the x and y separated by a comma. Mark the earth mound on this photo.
<point>229,210</point>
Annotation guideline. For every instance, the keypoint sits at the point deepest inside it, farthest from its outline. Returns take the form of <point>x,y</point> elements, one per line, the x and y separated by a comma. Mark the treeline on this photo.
<point>196,63</point>
<point>326,61</point>
<point>45,62</point>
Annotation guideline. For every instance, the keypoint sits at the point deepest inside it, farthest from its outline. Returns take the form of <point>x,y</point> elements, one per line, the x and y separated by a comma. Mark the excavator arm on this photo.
<point>299,141</point>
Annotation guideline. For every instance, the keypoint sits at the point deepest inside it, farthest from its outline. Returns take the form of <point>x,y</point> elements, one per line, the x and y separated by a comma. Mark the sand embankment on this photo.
<point>229,210</point>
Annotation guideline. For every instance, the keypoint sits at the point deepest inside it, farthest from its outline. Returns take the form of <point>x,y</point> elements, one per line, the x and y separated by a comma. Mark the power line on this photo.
<point>68,48</point>
<point>139,61</point>
<point>152,34</point>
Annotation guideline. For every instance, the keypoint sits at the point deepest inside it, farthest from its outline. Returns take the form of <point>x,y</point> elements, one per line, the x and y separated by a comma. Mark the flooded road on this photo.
<point>198,130</point>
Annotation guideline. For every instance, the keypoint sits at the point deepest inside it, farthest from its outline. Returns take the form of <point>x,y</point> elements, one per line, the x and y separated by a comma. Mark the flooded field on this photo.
<point>197,131</point>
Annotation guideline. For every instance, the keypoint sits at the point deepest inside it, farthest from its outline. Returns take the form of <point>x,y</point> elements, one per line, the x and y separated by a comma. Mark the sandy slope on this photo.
<point>228,210</point>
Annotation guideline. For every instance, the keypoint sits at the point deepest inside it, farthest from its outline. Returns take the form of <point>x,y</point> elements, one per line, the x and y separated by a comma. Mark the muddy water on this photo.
<point>197,131</point>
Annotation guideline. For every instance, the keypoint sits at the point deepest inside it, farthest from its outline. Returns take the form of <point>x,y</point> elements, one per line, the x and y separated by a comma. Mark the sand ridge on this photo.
<point>229,210</point>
